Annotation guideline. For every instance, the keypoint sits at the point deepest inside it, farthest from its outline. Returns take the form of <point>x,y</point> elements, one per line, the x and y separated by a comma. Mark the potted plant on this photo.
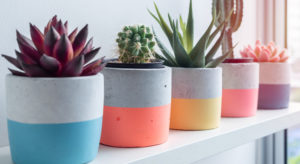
<point>240,75</point>
<point>196,80</point>
<point>274,75</point>
<point>137,93</point>
<point>55,99</point>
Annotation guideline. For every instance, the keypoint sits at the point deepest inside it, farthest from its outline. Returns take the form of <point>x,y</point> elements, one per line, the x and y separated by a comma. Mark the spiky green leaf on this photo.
<point>181,55</point>
<point>209,56</point>
<point>198,52</point>
<point>214,63</point>
<point>163,24</point>
<point>190,29</point>
<point>168,55</point>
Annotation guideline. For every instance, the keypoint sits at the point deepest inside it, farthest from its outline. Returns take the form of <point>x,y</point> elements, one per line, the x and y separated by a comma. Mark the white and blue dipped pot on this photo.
<point>54,120</point>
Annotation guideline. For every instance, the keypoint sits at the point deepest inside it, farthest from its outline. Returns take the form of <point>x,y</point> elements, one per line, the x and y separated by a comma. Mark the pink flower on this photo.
<point>264,53</point>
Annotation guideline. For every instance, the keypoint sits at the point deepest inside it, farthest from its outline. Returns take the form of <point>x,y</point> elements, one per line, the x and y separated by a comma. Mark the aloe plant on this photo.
<point>54,53</point>
<point>136,44</point>
<point>181,34</point>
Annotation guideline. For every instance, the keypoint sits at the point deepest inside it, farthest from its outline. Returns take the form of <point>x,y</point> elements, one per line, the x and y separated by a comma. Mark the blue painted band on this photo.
<point>68,143</point>
<point>273,96</point>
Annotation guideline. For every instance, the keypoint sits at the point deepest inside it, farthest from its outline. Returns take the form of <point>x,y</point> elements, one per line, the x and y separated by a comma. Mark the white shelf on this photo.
<point>190,146</point>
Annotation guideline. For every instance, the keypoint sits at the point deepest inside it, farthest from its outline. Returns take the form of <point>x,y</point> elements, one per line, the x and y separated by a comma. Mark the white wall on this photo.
<point>105,19</point>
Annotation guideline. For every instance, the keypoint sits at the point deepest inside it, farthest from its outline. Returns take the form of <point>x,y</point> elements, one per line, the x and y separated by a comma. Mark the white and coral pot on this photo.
<point>240,89</point>
<point>54,120</point>
<point>136,106</point>
<point>274,85</point>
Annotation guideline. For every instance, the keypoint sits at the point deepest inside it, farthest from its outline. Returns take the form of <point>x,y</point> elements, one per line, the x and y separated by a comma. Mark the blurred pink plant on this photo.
<point>263,53</point>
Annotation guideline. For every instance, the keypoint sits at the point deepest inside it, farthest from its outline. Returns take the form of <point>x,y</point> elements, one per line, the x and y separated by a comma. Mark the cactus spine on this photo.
<point>223,9</point>
<point>136,44</point>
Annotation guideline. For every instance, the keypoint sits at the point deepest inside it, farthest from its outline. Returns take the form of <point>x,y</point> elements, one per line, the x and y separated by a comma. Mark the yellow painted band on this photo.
<point>195,114</point>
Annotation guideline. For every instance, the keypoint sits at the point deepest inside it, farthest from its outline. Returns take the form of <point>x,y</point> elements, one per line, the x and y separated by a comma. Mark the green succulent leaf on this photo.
<point>163,24</point>
<point>215,33</point>
<point>166,61</point>
<point>164,50</point>
<point>182,58</point>
<point>190,29</point>
<point>155,17</point>
<point>214,63</point>
<point>198,52</point>
<point>183,29</point>
<point>209,56</point>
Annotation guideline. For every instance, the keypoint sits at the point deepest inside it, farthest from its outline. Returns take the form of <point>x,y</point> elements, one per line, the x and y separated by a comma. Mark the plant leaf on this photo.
<point>166,61</point>
<point>94,67</point>
<point>37,38</point>
<point>34,70</point>
<point>51,38</point>
<point>24,58</point>
<point>90,55</point>
<point>50,64</point>
<point>73,35</point>
<point>88,47</point>
<point>155,17</point>
<point>26,46</point>
<point>198,52</point>
<point>54,21</point>
<point>181,56</point>
<point>63,50</point>
<point>12,60</point>
<point>74,67</point>
<point>80,40</point>
<point>219,27</point>
<point>66,26</point>
<point>214,63</point>
<point>183,29</point>
<point>164,25</point>
<point>165,51</point>
<point>215,48</point>
<point>60,28</point>
<point>190,29</point>
<point>17,73</point>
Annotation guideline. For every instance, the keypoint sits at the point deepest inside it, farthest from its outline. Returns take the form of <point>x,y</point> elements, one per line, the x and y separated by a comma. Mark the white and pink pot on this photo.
<point>240,88</point>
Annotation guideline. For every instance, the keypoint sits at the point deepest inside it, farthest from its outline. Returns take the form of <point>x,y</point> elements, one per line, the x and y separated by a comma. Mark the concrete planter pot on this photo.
<point>240,89</point>
<point>136,106</point>
<point>274,85</point>
<point>54,120</point>
<point>196,98</point>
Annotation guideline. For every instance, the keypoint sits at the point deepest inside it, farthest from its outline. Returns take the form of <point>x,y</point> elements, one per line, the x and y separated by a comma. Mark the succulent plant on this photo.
<point>232,10</point>
<point>54,53</point>
<point>265,53</point>
<point>185,53</point>
<point>136,44</point>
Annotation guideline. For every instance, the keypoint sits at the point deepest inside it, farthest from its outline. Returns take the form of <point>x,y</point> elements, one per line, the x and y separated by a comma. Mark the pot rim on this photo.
<point>55,78</point>
<point>233,64</point>
<point>200,69</point>
<point>137,69</point>
<point>270,63</point>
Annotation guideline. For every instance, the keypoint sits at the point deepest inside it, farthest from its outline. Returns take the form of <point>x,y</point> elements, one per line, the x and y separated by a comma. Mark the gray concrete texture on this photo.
<point>196,83</point>
<point>137,87</point>
<point>240,75</point>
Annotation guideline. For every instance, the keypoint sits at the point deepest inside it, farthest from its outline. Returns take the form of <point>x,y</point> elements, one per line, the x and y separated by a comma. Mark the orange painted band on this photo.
<point>135,127</point>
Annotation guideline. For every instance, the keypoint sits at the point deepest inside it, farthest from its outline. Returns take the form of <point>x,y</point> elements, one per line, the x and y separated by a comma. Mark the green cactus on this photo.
<point>136,44</point>
<point>233,11</point>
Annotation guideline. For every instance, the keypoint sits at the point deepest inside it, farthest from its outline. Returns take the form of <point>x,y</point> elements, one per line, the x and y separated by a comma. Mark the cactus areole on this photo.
<point>233,11</point>
<point>55,53</point>
<point>136,48</point>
